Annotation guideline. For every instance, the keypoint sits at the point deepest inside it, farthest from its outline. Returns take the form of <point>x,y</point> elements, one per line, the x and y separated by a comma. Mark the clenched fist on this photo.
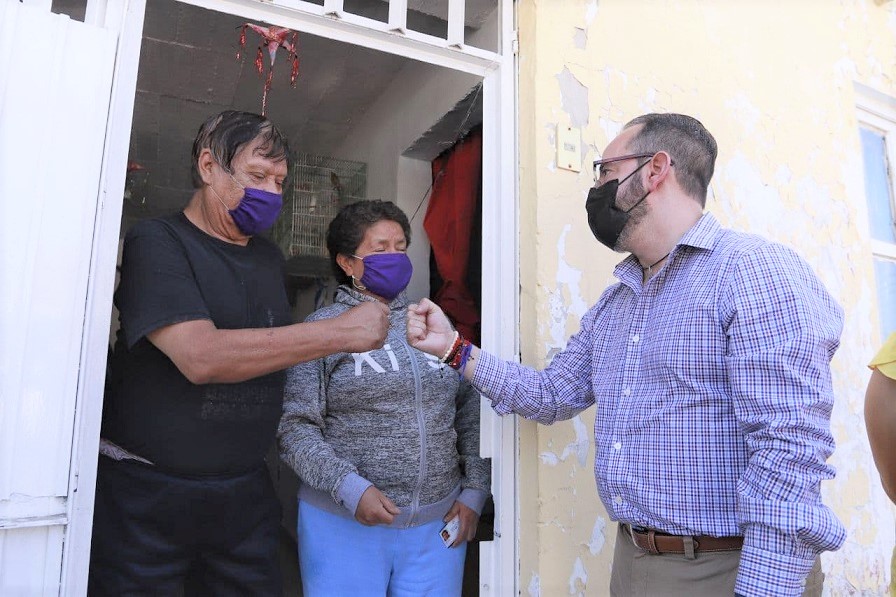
<point>365,326</point>
<point>428,328</point>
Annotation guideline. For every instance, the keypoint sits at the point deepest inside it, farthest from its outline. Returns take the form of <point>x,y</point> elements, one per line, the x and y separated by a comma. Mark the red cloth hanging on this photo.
<point>457,175</point>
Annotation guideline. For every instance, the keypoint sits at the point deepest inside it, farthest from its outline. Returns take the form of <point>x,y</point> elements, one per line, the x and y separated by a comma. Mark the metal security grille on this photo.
<point>318,188</point>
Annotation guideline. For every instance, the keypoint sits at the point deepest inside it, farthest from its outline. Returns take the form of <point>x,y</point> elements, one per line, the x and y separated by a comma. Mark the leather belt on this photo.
<point>656,542</point>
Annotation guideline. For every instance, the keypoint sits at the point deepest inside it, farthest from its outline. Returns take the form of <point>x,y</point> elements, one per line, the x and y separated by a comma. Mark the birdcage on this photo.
<point>318,187</point>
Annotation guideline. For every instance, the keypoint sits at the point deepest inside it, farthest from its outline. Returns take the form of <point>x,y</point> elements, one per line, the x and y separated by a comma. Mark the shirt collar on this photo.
<point>702,235</point>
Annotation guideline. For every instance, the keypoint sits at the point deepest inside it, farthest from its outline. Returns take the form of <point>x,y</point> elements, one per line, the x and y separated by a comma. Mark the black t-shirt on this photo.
<point>173,272</point>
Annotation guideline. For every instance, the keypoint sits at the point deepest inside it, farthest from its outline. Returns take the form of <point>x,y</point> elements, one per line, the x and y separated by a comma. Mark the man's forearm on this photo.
<point>238,355</point>
<point>206,354</point>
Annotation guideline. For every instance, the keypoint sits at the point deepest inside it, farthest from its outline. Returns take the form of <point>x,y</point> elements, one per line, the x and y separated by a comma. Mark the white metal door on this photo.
<point>56,80</point>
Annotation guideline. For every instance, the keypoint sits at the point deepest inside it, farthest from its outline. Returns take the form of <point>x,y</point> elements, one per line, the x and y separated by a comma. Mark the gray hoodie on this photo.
<point>395,418</point>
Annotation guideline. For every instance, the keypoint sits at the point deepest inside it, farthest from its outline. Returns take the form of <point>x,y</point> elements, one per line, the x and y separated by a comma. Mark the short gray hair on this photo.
<point>692,147</point>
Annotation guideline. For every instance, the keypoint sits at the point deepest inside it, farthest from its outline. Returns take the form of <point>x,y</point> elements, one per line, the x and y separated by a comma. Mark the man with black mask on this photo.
<point>709,365</point>
<point>195,389</point>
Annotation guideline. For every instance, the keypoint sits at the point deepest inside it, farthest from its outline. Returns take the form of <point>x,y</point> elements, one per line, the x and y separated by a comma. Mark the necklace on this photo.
<point>651,266</point>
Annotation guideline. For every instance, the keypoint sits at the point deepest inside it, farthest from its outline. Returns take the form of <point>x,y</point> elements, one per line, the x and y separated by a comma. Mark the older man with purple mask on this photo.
<point>195,385</point>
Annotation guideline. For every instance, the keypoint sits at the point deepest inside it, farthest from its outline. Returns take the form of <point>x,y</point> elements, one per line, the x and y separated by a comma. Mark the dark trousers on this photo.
<point>158,534</point>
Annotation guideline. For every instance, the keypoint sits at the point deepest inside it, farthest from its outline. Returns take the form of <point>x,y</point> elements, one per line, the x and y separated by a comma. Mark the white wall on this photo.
<point>413,184</point>
<point>415,101</point>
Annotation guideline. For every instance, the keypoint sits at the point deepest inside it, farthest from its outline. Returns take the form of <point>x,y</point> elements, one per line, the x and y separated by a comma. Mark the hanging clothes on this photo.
<point>452,223</point>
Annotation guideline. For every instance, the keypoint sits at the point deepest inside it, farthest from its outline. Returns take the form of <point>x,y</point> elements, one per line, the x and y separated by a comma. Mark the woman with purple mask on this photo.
<point>385,442</point>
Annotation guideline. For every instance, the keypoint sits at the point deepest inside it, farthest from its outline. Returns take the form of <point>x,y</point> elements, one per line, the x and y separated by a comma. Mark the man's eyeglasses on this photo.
<point>631,156</point>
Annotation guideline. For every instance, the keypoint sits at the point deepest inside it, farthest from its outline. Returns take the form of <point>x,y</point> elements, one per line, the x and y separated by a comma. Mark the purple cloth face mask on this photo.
<point>257,211</point>
<point>386,274</point>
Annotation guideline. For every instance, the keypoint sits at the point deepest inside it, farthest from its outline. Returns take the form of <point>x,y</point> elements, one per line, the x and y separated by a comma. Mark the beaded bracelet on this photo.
<point>452,348</point>
<point>461,355</point>
<point>455,351</point>
<point>466,351</point>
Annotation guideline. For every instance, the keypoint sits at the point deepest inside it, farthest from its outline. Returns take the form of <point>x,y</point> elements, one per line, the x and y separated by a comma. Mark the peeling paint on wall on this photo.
<point>534,588</point>
<point>566,300</point>
<point>574,98</point>
<point>580,446</point>
<point>783,111</point>
<point>590,11</point>
<point>752,200</point>
<point>552,141</point>
<point>582,443</point>
<point>743,112</point>
<point>578,580</point>
<point>549,458</point>
<point>611,128</point>
<point>598,539</point>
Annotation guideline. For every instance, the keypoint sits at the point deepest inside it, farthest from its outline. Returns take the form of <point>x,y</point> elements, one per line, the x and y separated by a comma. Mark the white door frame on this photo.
<point>500,279</point>
<point>126,17</point>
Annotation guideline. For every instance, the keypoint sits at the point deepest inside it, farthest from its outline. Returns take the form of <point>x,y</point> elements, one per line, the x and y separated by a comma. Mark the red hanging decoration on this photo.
<point>274,38</point>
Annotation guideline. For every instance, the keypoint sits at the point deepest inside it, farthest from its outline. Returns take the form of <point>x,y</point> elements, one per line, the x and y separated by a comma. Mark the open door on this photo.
<point>56,82</point>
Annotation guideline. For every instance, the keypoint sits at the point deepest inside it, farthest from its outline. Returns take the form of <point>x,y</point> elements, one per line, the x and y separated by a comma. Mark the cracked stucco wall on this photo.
<point>774,82</point>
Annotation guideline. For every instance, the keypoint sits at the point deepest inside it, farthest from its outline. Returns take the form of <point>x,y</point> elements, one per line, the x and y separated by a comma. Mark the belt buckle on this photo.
<point>651,539</point>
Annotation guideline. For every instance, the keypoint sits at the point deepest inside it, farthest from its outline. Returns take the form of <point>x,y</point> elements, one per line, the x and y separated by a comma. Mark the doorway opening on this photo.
<point>361,124</point>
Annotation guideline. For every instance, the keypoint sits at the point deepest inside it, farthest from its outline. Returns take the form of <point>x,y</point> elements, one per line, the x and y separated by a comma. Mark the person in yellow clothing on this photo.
<point>880,414</point>
<point>880,421</point>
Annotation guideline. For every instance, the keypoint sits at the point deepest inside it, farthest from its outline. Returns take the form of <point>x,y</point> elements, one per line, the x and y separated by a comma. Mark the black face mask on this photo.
<point>605,219</point>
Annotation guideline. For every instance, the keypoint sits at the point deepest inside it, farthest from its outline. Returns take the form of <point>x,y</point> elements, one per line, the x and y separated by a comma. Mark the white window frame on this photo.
<point>500,265</point>
<point>877,111</point>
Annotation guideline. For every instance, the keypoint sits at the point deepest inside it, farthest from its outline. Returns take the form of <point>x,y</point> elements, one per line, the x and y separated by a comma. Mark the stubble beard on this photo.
<point>632,195</point>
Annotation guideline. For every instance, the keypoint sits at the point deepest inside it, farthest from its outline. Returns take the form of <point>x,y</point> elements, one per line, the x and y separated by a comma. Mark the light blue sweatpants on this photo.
<point>338,556</point>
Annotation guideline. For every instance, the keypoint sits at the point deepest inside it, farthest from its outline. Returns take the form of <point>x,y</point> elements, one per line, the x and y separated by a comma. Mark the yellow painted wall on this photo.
<point>774,82</point>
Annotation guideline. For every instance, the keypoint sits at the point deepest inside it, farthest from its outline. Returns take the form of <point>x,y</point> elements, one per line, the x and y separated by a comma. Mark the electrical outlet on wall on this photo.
<point>569,148</point>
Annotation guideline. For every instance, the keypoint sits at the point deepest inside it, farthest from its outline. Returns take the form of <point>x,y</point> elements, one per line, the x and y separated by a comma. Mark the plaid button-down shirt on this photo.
<point>713,399</point>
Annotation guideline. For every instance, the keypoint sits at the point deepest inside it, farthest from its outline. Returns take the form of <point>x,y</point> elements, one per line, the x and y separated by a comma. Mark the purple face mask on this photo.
<point>257,211</point>
<point>386,274</point>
